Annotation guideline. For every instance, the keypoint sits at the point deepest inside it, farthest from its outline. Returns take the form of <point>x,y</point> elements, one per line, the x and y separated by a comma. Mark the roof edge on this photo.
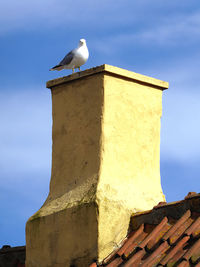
<point>172,209</point>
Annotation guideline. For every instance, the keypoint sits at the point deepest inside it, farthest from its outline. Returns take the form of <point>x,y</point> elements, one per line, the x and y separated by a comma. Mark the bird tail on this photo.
<point>57,67</point>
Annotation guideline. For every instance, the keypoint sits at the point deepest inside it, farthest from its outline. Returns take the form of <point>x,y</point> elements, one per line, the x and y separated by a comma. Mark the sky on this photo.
<point>155,38</point>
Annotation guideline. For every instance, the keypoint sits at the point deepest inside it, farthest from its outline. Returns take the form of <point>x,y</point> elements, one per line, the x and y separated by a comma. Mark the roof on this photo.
<point>168,235</point>
<point>12,256</point>
<point>113,71</point>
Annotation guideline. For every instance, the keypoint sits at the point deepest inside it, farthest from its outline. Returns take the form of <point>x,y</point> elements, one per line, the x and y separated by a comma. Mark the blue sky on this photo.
<point>155,38</point>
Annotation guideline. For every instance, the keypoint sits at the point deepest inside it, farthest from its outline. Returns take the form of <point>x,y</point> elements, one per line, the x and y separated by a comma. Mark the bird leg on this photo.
<point>79,68</point>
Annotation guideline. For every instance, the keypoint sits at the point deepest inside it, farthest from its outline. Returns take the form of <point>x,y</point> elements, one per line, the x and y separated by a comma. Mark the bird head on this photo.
<point>82,42</point>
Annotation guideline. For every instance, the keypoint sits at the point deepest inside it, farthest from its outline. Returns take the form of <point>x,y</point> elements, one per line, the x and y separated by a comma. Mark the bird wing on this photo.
<point>67,59</point>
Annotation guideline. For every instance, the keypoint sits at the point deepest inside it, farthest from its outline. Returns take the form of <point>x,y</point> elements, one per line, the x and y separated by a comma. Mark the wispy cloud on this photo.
<point>26,15</point>
<point>172,30</point>
<point>169,31</point>
<point>36,14</point>
<point>182,72</point>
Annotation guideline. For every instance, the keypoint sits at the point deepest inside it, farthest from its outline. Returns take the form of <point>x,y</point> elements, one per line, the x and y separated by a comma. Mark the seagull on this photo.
<point>75,58</point>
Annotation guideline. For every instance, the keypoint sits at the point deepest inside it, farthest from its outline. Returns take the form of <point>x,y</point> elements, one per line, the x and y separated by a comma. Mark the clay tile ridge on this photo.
<point>191,195</point>
<point>160,204</point>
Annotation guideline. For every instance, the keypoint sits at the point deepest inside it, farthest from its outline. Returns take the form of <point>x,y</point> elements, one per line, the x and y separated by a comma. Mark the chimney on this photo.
<point>105,165</point>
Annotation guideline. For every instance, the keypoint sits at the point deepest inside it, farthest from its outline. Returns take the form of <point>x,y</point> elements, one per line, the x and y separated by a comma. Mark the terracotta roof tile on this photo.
<point>193,227</point>
<point>132,247</point>
<point>131,239</point>
<point>153,243</point>
<point>116,262</point>
<point>154,233</point>
<point>168,235</point>
<point>137,256</point>
<point>177,225</point>
<point>152,258</point>
<point>192,250</point>
<point>183,264</point>
<point>179,232</point>
<point>174,250</point>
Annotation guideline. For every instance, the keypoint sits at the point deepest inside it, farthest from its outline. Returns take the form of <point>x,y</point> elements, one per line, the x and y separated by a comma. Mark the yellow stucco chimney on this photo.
<point>105,165</point>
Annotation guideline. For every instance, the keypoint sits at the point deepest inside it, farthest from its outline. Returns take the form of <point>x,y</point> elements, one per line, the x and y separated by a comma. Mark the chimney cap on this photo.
<point>115,71</point>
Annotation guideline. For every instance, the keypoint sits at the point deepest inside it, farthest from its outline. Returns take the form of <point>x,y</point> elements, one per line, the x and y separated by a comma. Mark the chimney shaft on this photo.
<point>105,165</point>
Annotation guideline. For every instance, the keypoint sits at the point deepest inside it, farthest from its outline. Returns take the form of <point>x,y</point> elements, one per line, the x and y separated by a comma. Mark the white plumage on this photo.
<point>75,58</point>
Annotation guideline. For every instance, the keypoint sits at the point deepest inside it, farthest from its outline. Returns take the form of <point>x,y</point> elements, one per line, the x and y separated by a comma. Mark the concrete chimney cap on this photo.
<point>113,71</point>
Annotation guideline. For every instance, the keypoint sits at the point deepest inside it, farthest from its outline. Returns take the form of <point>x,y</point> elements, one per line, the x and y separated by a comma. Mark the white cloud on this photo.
<point>175,30</point>
<point>36,14</point>
<point>182,73</point>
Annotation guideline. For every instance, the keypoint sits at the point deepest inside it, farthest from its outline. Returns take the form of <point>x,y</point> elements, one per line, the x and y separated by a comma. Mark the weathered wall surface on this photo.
<point>105,165</point>
<point>77,113</point>
<point>131,142</point>
<point>130,160</point>
<point>59,238</point>
<point>66,226</point>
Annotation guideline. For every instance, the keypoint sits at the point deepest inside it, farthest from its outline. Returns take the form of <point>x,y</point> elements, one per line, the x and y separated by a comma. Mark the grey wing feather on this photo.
<point>67,59</point>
